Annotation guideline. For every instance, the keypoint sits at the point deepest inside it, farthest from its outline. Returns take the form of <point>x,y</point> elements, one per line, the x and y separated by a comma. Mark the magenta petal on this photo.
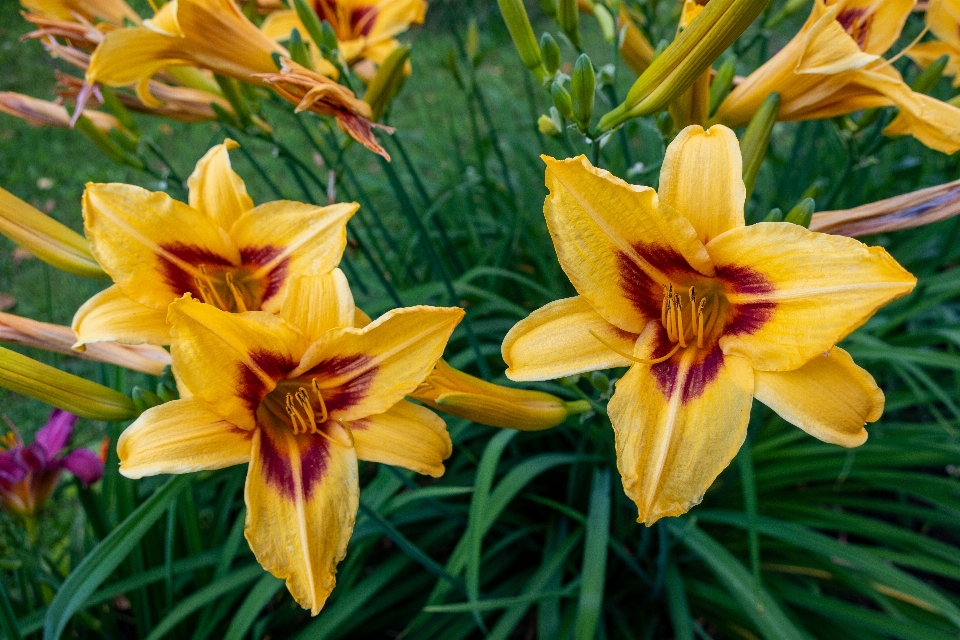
<point>84,464</point>
<point>56,434</point>
<point>12,467</point>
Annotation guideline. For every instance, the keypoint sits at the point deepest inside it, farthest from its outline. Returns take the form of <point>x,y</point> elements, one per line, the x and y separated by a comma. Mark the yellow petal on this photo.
<point>231,360</point>
<point>702,178</point>
<point>617,242</point>
<point>943,18</point>
<point>362,372</point>
<point>112,11</point>
<point>286,238</point>
<point>829,397</point>
<point>555,341</point>
<point>279,24</point>
<point>316,304</point>
<point>181,436</point>
<point>222,39</point>
<point>215,188</point>
<point>149,243</point>
<point>932,122</point>
<point>829,49</point>
<point>302,496</point>
<point>132,56</point>
<point>678,424</point>
<point>880,23</point>
<point>407,435</point>
<point>796,293</point>
<point>110,316</point>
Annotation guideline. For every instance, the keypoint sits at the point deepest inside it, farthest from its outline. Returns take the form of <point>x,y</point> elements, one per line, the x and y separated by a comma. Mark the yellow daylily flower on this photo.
<point>114,12</point>
<point>943,20</point>
<point>219,248</point>
<point>366,30</point>
<point>706,312</point>
<point>300,398</point>
<point>635,49</point>
<point>834,66</point>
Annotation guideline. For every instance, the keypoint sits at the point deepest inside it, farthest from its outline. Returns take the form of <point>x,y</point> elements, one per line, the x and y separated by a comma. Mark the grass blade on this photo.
<point>253,604</point>
<point>594,557</point>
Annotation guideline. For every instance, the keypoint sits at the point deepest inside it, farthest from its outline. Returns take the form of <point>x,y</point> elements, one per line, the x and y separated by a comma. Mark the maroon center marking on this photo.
<point>645,293</point>
<point>362,20</point>
<point>177,278</point>
<point>252,388</point>
<point>359,371</point>
<point>856,22</point>
<point>701,373</point>
<point>313,452</point>
<point>255,257</point>
<point>327,10</point>
<point>747,318</point>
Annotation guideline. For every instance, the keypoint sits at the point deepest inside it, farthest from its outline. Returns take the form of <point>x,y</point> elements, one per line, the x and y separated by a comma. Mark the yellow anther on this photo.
<point>304,401</point>
<point>680,336</point>
<point>297,422</point>
<point>241,307</point>
<point>632,358</point>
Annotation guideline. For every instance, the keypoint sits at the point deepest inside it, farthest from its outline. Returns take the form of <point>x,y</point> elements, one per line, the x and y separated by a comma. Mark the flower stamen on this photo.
<point>633,358</point>
<point>241,307</point>
<point>213,290</point>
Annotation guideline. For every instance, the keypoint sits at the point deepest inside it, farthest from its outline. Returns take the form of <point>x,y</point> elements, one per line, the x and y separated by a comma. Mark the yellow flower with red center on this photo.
<point>943,20</point>
<point>219,248</point>
<point>366,30</point>
<point>300,397</point>
<point>708,313</point>
<point>835,66</point>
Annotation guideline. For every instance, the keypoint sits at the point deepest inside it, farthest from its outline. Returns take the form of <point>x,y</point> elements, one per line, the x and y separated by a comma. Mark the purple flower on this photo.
<point>29,474</point>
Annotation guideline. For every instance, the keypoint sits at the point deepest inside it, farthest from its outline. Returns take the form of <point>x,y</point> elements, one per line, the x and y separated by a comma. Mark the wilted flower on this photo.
<point>42,113</point>
<point>708,313</point>
<point>29,473</point>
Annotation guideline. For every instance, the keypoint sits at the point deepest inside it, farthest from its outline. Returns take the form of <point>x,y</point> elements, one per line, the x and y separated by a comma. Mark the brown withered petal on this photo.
<point>42,113</point>
<point>78,34</point>
<point>53,337</point>
<point>179,103</point>
<point>906,211</point>
<point>311,91</point>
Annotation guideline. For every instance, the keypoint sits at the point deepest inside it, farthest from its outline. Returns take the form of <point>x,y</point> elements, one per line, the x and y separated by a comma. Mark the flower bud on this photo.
<point>583,85</point>
<point>63,390</point>
<point>561,99</point>
<point>298,49</point>
<point>774,215</point>
<point>549,7</point>
<point>606,22</point>
<point>689,55</point>
<point>722,82</point>
<point>518,24</point>
<point>930,76</point>
<point>464,396</point>
<point>568,15</point>
<point>757,138</point>
<point>44,237</point>
<point>801,213</point>
<point>548,126</point>
<point>387,81</point>
<point>635,49</point>
<point>311,22</point>
<point>550,52</point>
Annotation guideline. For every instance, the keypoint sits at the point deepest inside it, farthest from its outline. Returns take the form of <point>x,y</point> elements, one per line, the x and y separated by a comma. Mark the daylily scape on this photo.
<point>706,312</point>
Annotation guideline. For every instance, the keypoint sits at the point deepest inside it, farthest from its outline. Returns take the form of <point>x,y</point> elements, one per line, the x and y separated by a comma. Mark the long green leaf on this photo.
<point>594,571</point>
<point>253,604</point>
<point>106,556</point>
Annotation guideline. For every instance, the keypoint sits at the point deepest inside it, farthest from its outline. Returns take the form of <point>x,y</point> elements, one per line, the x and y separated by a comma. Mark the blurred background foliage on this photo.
<point>528,535</point>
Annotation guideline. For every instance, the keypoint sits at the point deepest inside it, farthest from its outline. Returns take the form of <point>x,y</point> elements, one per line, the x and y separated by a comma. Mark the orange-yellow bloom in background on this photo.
<point>114,12</point>
<point>366,30</point>
<point>706,312</point>
<point>834,66</point>
<point>943,19</point>
<point>219,248</point>
<point>635,49</point>
<point>216,36</point>
<point>301,398</point>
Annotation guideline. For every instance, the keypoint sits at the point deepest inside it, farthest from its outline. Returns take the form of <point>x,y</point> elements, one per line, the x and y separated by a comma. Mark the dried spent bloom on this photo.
<point>43,113</point>
<point>708,313</point>
<point>29,473</point>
